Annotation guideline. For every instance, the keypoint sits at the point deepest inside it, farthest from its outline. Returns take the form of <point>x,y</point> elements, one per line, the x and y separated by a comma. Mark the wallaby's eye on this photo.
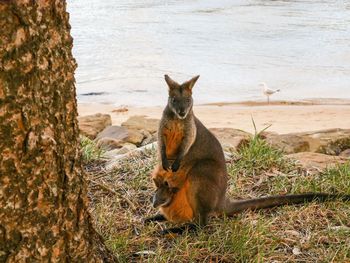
<point>166,184</point>
<point>173,100</point>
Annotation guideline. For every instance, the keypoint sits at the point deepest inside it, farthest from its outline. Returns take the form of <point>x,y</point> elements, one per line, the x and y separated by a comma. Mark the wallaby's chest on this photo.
<point>173,134</point>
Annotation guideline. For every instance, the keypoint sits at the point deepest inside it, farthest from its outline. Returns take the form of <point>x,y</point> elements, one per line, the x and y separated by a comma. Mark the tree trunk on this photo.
<point>43,195</point>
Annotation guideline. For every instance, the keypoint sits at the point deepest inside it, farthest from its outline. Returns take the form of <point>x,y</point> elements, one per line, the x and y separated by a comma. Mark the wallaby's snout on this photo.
<point>182,113</point>
<point>162,197</point>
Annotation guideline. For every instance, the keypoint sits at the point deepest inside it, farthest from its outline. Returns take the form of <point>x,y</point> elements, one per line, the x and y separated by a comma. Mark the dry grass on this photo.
<point>120,200</point>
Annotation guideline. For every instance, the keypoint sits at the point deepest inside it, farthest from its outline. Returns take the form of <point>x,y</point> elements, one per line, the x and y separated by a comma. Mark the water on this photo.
<point>124,47</point>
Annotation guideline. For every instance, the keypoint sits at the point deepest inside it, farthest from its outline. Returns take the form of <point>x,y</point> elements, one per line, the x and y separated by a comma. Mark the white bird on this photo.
<point>267,91</point>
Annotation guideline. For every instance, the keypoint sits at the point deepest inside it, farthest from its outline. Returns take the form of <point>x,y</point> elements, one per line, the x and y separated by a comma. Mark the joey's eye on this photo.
<point>174,190</point>
<point>173,100</point>
<point>166,184</point>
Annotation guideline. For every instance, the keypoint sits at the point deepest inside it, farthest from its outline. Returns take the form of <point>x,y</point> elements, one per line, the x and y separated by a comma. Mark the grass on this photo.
<point>90,150</point>
<point>120,200</point>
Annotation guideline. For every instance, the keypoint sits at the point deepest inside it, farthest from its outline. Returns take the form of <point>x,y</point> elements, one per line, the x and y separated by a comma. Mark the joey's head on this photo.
<point>164,193</point>
<point>180,96</point>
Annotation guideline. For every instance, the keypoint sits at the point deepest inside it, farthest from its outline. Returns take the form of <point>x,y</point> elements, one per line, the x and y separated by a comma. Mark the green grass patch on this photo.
<point>90,151</point>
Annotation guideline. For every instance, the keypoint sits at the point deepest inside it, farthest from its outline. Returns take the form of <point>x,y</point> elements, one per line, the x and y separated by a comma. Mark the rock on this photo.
<point>112,137</point>
<point>231,138</point>
<point>345,153</point>
<point>135,137</point>
<point>109,143</point>
<point>91,125</point>
<point>315,162</point>
<point>296,251</point>
<point>149,138</point>
<point>141,123</point>
<point>331,141</point>
<point>288,143</point>
<point>116,159</point>
<point>127,147</point>
<point>115,132</point>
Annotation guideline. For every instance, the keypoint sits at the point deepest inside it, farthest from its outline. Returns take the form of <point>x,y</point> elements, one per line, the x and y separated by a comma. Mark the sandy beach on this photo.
<point>284,117</point>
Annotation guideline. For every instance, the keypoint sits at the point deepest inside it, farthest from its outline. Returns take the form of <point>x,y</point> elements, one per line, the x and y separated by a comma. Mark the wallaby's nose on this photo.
<point>155,202</point>
<point>182,113</point>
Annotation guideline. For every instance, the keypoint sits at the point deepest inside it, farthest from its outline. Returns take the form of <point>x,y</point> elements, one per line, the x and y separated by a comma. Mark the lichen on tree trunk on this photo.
<point>43,199</point>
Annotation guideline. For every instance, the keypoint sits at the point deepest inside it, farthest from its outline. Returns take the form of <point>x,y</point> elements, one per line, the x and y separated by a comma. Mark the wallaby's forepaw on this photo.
<point>165,164</point>
<point>175,166</point>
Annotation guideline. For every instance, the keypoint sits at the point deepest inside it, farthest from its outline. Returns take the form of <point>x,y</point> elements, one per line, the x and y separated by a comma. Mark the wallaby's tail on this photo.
<point>233,207</point>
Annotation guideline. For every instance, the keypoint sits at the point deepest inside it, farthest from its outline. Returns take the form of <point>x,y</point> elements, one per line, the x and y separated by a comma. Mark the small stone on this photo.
<point>296,251</point>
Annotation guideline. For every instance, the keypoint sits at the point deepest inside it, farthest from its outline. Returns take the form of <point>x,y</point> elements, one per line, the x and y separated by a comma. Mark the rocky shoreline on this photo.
<point>314,151</point>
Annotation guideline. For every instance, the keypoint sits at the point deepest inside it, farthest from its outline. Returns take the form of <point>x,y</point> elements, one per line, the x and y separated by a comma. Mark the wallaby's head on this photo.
<point>180,96</point>
<point>164,193</point>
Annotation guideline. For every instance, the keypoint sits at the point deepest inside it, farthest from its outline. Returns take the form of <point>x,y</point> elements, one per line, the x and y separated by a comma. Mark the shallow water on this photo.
<point>124,47</point>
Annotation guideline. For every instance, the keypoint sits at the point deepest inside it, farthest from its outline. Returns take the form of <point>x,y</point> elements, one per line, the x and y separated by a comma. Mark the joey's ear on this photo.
<point>190,83</point>
<point>171,83</point>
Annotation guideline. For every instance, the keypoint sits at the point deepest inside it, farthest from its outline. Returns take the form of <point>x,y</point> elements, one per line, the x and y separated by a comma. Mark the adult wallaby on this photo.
<point>192,178</point>
<point>189,150</point>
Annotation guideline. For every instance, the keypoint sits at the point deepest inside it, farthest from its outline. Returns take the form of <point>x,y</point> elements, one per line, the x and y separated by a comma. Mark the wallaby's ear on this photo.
<point>171,83</point>
<point>190,83</point>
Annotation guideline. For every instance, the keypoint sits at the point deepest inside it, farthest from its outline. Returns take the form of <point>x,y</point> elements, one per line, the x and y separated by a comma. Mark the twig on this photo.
<point>105,187</point>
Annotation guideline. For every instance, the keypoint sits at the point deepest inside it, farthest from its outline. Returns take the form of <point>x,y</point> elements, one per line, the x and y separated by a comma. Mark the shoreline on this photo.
<point>304,102</point>
<point>283,116</point>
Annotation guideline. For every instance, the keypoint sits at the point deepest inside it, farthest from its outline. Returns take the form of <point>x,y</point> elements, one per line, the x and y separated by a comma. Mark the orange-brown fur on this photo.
<point>173,135</point>
<point>179,210</point>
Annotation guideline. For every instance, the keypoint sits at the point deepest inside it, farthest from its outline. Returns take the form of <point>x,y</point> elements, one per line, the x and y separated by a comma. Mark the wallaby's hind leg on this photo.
<point>208,182</point>
<point>155,218</point>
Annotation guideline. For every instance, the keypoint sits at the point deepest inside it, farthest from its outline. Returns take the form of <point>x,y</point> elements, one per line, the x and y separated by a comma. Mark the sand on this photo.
<point>284,117</point>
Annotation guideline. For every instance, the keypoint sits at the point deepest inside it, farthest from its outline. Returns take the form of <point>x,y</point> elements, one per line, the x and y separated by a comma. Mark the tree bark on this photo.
<point>43,194</point>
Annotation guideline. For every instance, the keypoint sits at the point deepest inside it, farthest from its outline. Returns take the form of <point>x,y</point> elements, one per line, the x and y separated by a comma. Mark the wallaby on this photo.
<point>172,201</point>
<point>196,176</point>
<point>189,150</point>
